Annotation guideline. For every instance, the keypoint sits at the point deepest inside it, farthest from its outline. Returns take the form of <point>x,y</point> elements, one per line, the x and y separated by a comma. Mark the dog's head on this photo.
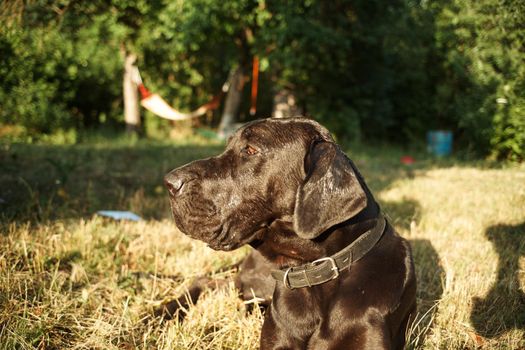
<point>288,169</point>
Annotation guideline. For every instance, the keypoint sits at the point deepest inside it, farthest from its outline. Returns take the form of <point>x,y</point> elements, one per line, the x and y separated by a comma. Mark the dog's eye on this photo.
<point>249,150</point>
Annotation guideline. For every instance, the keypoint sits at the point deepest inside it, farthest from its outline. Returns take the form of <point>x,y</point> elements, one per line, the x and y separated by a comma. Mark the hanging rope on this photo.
<point>255,81</point>
<point>157,105</point>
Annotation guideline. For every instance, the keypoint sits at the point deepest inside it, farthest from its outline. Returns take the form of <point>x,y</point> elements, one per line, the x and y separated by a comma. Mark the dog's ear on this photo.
<point>331,192</point>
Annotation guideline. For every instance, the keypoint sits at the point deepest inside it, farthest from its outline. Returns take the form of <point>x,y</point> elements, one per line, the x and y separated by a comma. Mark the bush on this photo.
<point>29,94</point>
<point>52,80</point>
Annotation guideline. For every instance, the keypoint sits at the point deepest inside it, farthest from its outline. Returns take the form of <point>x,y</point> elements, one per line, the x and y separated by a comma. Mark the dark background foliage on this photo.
<point>371,70</point>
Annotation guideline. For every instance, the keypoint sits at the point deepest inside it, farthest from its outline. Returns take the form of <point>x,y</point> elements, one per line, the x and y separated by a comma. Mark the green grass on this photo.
<point>72,280</point>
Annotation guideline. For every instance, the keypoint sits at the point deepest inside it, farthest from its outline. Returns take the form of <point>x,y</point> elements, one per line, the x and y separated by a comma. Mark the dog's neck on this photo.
<point>281,245</point>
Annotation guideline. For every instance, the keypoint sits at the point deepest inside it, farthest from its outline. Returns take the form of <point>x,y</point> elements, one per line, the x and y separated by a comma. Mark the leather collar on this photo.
<point>328,268</point>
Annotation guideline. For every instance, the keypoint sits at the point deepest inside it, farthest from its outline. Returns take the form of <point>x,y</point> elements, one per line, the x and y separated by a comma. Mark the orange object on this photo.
<point>144,92</point>
<point>255,82</point>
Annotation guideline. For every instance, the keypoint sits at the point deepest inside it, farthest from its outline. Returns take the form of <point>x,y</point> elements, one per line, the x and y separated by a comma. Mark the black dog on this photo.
<point>344,279</point>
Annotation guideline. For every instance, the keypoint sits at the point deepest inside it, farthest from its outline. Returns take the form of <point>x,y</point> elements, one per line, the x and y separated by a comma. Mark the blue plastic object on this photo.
<point>119,215</point>
<point>439,142</point>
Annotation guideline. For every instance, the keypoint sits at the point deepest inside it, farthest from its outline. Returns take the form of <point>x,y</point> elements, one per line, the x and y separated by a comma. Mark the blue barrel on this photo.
<point>439,142</point>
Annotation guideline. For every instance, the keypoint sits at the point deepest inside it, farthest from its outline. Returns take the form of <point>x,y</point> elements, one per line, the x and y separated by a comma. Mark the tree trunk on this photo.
<point>131,95</point>
<point>232,103</point>
<point>285,105</point>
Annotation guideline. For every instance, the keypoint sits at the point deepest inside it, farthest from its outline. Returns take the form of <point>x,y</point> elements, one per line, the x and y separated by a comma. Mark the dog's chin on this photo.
<point>224,246</point>
<point>229,244</point>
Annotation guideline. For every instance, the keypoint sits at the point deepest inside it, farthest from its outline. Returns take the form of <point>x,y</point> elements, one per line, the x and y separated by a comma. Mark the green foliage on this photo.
<point>27,95</point>
<point>57,79</point>
<point>190,47</point>
<point>368,69</point>
<point>480,49</point>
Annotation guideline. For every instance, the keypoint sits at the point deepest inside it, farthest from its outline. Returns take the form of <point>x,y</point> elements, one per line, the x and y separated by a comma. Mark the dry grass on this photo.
<point>91,284</point>
<point>468,235</point>
<point>82,282</point>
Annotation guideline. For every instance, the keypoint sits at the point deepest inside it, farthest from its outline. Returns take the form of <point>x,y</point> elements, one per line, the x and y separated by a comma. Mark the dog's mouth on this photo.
<point>194,221</point>
<point>227,242</point>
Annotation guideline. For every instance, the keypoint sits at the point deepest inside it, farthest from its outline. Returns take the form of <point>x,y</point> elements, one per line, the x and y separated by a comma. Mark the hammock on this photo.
<point>157,105</point>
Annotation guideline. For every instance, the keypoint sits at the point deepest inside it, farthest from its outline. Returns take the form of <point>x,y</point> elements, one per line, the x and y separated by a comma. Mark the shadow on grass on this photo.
<point>429,272</point>
<point>503,308</point>
<point>402,213</point>
<point>44,182</point>
<point>430,276</point>
<point>41,182</point>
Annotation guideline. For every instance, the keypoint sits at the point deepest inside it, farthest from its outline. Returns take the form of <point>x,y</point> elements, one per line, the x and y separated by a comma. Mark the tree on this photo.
<point>130,93</point>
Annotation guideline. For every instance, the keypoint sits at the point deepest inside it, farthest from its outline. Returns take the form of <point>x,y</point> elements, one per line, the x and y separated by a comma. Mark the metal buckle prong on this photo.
<point>332,261</point>
<point>285,279</point>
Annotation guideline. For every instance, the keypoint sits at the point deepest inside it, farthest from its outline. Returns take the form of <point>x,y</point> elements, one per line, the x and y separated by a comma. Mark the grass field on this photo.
<point>72,280</point>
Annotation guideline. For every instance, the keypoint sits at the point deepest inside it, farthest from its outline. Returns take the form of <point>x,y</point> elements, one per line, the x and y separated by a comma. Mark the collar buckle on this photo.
<point>285,279</point>
<point>328,268</point>
<point>334,268</point>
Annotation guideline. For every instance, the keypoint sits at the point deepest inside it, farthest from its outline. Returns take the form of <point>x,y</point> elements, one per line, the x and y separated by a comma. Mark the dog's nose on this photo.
<point>174,182</point>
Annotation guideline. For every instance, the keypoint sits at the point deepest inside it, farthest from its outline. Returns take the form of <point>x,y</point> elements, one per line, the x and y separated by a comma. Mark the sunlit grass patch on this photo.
<point>475,222</point>
<point>93,284</point>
